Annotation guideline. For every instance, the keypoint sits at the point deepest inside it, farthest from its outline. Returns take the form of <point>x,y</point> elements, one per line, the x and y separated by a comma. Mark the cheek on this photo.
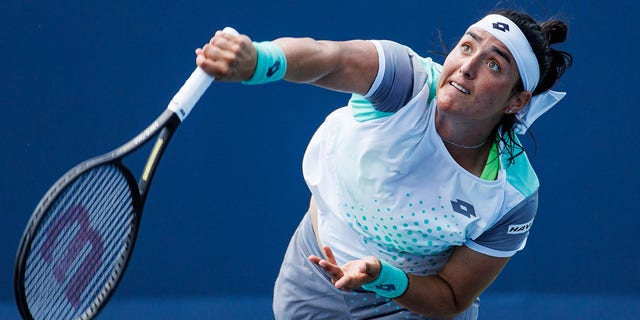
<point>448,68</point>
<point>497,88</point>
<point>443,77</point>
<point>495,97</point>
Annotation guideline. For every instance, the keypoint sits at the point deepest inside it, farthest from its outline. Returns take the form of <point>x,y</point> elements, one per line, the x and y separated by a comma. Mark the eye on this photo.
<point>493,65</point>
<point>466,48</point>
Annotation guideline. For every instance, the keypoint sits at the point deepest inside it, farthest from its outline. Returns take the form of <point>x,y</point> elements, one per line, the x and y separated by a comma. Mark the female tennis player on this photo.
<point>421,190</point>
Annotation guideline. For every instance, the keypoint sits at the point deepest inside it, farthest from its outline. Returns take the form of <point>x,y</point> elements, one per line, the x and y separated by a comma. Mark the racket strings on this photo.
<point>71,291</point>
<point>80,243</point>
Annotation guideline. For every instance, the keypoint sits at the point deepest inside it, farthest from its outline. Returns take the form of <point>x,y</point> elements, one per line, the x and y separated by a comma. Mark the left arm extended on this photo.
<point>452,290</point>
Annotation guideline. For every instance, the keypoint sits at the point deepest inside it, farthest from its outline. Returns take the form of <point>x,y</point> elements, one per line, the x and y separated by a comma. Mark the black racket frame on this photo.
<point>163,127</point>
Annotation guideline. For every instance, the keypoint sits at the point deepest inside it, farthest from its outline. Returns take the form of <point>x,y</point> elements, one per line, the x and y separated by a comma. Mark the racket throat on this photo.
<point>155,155</point>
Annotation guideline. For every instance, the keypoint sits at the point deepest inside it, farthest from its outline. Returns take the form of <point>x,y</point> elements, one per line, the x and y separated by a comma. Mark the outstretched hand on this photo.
<point>352,274</point>
<point>228,57</point>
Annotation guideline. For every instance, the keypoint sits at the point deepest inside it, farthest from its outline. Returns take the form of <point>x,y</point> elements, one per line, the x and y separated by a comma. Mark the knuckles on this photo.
<point>225,55</point>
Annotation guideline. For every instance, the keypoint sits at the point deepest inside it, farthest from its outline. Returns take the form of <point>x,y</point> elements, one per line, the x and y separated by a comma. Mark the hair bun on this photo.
<point>555,30</point>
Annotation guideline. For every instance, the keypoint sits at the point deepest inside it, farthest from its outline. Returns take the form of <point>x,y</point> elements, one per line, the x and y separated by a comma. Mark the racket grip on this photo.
<point>183,102</point>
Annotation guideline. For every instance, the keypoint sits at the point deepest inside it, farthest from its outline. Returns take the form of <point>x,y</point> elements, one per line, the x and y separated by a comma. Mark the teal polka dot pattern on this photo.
<point>413,231</point>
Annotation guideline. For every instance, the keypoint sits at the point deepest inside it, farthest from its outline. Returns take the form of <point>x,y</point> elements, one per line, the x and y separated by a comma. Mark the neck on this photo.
<point>464,146</point>
<point>473,159</point>
<point>467,144</point>
<point>460,136</point>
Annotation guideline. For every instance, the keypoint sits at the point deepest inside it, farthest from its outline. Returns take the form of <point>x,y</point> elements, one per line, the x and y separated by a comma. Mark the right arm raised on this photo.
<point>349,66</point>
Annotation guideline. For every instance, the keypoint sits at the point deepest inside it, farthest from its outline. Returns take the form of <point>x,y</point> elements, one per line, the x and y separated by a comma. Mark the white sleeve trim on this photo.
<point>493,252</point>
<point>381,69</point>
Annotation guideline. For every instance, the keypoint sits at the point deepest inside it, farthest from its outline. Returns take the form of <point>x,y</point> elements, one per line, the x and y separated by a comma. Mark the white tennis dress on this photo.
<point>387,186</point>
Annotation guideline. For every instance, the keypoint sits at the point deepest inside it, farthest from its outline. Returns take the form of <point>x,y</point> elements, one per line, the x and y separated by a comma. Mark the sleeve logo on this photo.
<point>519,228</point>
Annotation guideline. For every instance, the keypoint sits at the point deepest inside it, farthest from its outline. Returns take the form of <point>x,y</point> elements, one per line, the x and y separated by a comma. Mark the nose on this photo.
<point>469,67</point>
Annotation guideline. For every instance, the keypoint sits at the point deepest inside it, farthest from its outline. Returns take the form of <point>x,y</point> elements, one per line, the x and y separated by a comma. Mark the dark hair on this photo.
<point>553,63</point>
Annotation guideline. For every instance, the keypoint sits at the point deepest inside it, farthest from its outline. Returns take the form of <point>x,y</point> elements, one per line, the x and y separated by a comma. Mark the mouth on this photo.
<point>459,87</point>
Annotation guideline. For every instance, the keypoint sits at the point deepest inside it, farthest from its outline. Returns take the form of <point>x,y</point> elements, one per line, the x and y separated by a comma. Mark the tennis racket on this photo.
<point>80,237</point>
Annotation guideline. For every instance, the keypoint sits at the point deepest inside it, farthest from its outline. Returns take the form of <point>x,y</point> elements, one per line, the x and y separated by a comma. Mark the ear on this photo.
<point>517,102</point>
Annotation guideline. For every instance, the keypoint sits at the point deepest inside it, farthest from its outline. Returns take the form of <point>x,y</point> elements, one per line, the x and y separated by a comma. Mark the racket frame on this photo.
<point>163,129</point>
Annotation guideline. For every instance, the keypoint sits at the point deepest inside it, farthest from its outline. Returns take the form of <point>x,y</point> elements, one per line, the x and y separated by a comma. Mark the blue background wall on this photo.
<point>79,78</point>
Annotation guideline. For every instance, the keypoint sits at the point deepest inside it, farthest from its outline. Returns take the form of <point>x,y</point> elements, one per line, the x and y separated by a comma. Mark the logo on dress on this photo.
<point>463,208</point>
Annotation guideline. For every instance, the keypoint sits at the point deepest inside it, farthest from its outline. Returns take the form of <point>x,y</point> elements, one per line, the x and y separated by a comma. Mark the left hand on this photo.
<point>352,274</point>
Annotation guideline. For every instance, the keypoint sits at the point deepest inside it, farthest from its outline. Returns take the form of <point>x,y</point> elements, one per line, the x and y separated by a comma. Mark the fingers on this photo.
<point>345,283</point>
<point>352,274</point>
<point>225,41</point>
<point>314,259</point>
<point>329,253</point>
<point>227,57</point>
<point>215,57</point>
<point>330,266</point>
<point>332,269</point>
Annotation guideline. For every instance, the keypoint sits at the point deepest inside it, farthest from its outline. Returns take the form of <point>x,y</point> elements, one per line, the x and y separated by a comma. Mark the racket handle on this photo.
<point>192,89</point>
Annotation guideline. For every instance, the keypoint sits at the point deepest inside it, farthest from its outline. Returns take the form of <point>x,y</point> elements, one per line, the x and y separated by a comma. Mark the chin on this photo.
<point>445,103</point>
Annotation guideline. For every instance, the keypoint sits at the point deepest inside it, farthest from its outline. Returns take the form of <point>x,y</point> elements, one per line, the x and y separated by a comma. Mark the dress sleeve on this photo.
<point>402,74</point>
<point>509,234</point>
<point>393,86</point>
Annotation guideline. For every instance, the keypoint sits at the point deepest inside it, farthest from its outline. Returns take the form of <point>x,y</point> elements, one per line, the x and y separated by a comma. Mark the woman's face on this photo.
<point>478,78</point>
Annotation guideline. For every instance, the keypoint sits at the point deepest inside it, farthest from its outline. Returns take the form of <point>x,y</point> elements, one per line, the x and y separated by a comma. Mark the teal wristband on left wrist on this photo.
<point>390,283</point>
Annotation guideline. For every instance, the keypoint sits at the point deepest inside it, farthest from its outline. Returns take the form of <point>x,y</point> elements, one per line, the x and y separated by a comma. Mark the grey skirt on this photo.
<point>304,291</point>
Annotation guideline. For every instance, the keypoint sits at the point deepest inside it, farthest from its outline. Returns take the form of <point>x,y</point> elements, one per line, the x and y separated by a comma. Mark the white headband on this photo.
<point>512,37</point>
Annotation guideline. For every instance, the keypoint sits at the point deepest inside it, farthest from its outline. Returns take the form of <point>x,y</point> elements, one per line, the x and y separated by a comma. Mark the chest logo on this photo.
<point>463,208</point>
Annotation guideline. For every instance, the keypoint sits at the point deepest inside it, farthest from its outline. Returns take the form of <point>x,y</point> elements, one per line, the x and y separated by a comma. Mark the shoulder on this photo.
<point>520,174</point>
<point>401,75</point>
<point>509,233</point>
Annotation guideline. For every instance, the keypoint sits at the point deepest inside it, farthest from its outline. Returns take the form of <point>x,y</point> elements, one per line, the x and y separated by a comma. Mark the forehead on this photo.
<point>485,38</point>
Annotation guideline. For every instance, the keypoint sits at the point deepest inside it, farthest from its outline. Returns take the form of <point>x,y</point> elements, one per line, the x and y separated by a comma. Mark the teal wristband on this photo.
<point>390,283</point>
<point>271,65</point>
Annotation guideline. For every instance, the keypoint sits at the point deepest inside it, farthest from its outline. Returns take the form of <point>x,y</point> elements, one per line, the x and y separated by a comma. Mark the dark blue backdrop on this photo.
<point>78,78</point>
